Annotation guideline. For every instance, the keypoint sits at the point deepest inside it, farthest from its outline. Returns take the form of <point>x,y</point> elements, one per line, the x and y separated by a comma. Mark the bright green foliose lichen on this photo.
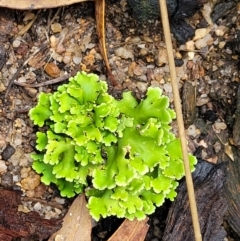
<point>123,151</point>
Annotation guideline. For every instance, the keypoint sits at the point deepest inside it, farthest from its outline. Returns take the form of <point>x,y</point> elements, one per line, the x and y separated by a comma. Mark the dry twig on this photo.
<point>189,182</point>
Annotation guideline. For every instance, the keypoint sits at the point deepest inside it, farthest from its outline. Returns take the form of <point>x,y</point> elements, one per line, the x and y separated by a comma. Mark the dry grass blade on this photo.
<point>131,231</point>
<point>100,19</point>
<point>29,25</point>
<point>77,223</point>
<point>178,108</point>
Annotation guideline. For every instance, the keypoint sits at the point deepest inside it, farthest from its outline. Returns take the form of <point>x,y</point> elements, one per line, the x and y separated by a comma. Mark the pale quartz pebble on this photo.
<point>167,87</point>
<point>23,209</point>
<point>200,33</point>
<point>217,146</point>
<point>53,41</point>
<point>77,60</point>
<point>142,86</point>
<point>56,27</point>
<point>203,144</point>
<point>18,141</point>
<point>221,30</point>
<point>58,211</point>
<point>3,143</point>
<point>12,70</point>
<point>147,39</point>
<point>3,167</point>
<point>31,91</point>
<point>124,53</point>
<point>28,16</point>
<point>201,43</point>
<point>191,130</point>
<point>24,162</point>
<point>203,154</point>
<point>30,76</point>
<point>59,200</point>
<point>178,55</point>
<point>220,126</point>
<point>37,206</point>
<point>191,55</point>
<point>16,178</point>
<point>202,100</point>
<point>22,79</point>
<point>162,57</point>
<point>16,43</point>
<point>141,46</point>
<point>143,52</point>
<point>133,40</point>
<point>190,45</point>
<point>221,44</point>
<point>24,172</point>
<point>214,68</point>
<point>91,45</point>
<point>2,87</point>
<point>206,12</point>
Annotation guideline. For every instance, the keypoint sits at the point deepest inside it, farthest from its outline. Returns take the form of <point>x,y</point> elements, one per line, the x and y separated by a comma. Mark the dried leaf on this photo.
<point>77,223</point>
<point>131,231</point>
<point>36,4</point>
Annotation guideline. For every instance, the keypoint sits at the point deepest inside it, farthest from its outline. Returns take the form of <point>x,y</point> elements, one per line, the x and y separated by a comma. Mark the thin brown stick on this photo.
<point>44,46</point>
<point>48,82</point>
<point>190,188</point>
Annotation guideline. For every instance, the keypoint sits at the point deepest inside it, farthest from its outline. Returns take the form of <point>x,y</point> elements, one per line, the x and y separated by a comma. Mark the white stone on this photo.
<point>3,167</point>
<point>221,30</point>
<point>200,33</point>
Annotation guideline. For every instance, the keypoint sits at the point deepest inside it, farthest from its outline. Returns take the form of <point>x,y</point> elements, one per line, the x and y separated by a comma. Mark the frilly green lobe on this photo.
<point>122,150</point>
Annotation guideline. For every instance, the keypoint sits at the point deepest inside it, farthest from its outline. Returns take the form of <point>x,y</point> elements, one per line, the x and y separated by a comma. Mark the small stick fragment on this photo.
<point>29,25</point>
<point>49,82</point>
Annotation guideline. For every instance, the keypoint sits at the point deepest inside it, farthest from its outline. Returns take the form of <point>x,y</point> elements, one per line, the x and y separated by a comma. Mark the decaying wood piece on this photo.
<point>232,191</point>
<point>208,183</point>
<point>15,224</point>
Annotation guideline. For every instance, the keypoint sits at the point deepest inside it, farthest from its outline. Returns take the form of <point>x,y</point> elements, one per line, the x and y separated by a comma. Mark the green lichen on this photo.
<point>122,153</point>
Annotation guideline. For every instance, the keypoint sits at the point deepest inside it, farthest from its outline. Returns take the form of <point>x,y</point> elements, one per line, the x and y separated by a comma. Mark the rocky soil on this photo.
<point>62,41</point>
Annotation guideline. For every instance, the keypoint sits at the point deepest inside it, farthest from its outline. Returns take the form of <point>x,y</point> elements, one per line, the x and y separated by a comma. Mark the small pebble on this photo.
<point>167,87</point>
<point>2,87</point>
<point>162,57</point>
<point>220,126</point>
<point>56,27</point>
<point>16,43</point>
<point>200,33</point>
<point>221,30</point>
<point>124,53</point>
<point>77,60</point>
<point>8,152</point>
<point>3,167</point>
<point>7,179</point>
<point>37,206</point>
<point>191,131</point>
<point>52,70</point>
<point>142,86</point>
<point>190,46</point>
<point>30,182</point>
<point>201,43</point>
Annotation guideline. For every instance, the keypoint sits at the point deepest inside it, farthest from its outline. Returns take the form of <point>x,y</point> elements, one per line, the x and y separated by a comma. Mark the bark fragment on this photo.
<point>15,224</point>
<point>208,182</point>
